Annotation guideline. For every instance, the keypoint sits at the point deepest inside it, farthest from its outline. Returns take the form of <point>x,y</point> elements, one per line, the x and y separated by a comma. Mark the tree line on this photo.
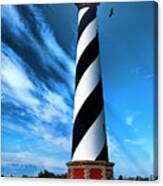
<point>46,174</point>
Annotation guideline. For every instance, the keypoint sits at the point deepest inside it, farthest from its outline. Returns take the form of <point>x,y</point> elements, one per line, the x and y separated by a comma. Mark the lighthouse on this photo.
<point>89,143</point>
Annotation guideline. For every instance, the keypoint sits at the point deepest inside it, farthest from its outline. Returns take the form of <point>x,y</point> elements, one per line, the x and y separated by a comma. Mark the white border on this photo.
<point>59,182</point>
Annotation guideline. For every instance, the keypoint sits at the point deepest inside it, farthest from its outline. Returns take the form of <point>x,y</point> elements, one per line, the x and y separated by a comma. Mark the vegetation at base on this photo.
<point>42,174</point>
<point>46,174</point>
<point>137,178</point>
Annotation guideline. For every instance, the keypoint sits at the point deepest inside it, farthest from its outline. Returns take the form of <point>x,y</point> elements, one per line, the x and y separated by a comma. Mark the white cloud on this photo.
<point>17,25</point>
<point>129,120</point>
<point>117,156</point>
<point>126,162</point>
<point>113,147</point>
<point>55,141</point>
<point>15,128</point>
<point>142,72</point>
<point>57,100</point>
<point>48,113</point>
<point>51,43</point>
<point>135,141</point>
<point>56,108</point>
<point>58,141</point>
<point>28,158</point>
<point>18,83</point>
<point>131,117</point>
<point>18,86</point>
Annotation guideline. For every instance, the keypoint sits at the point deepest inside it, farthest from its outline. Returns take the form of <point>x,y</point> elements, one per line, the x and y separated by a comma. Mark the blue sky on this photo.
<point>38,70</point>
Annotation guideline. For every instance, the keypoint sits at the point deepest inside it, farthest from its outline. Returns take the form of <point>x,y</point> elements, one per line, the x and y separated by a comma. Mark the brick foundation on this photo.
<point>90,170</point>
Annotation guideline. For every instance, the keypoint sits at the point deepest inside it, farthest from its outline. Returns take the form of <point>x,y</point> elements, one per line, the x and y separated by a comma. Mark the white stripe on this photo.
<point>93,141</point>
<point>86,85</point>
<point>87,36</point>
<point>81,13</point>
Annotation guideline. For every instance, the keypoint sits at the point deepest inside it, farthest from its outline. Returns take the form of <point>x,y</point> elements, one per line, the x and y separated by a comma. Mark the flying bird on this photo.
<point>111,12</point>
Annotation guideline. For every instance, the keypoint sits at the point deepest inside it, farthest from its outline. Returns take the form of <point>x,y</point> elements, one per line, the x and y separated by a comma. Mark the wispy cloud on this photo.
<point>125,158</point>
<point>37,87</point>
<point>129,120</point>
<point>27,158</point>
<point>117,155</point>
<point>59,141</point>
<point>114,148</point>
<point>135,141</point>
<point>18,85</point>
<point>131,117</point>
<point>15,128</point>
<point>47,51</point>
<point>55,108</point>
<point>142,72</point>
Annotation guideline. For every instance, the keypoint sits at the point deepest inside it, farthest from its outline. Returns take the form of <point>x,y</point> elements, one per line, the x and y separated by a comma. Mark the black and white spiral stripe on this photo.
<point>89,137</point>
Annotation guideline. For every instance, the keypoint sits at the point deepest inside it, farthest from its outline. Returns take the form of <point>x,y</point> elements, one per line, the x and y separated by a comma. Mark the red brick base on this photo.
<point>90,170</point>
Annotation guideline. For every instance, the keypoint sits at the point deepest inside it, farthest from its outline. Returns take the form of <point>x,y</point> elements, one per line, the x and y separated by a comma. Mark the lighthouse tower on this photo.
<point>89,145</point>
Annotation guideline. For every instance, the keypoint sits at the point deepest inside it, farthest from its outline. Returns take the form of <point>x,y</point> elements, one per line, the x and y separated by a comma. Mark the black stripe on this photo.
<point>87,115</point>
<point>86,19</point>
<point>104,152</point>
<point>88,56</point>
